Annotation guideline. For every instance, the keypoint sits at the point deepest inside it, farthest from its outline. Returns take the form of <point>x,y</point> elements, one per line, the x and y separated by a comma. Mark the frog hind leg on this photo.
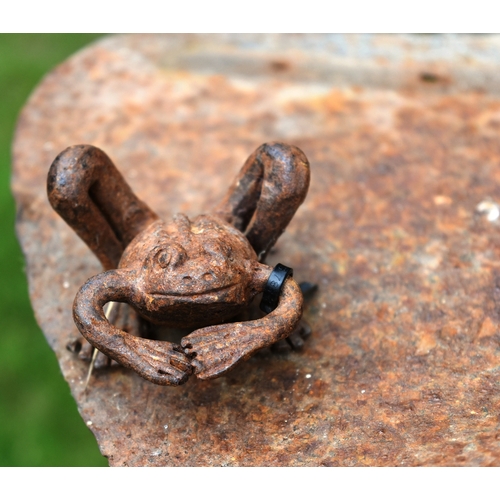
<point>85,188</point>
<point>265,195</point>
<point>89,193</point>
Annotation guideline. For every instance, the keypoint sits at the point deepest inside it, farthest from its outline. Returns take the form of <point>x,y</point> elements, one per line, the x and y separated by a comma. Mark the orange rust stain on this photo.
<point>449,330</point>
<point>488,328</point>
<point>426,344</point>
<point>384,313</point>
<point>335,101</point>
<point>342,350</point>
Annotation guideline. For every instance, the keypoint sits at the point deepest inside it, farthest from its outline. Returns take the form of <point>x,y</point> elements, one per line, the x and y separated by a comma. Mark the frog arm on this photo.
<point>265,195</point>
<point>216,349</point>
<point>159,362</point>
<point>87,191</point>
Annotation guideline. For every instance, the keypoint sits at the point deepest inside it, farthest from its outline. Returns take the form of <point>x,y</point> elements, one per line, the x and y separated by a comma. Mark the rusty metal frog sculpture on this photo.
<point>183,273</point>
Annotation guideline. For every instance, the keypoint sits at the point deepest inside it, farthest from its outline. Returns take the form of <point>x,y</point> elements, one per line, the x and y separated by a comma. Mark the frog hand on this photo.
<point>216,349</point>
<point>162,363</point>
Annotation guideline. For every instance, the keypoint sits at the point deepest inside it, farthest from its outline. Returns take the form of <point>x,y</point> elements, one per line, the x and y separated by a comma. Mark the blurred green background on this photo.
<point>39,421</point>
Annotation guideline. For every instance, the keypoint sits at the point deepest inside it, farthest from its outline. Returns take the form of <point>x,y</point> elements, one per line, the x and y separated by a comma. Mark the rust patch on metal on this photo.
<point>399,230</point>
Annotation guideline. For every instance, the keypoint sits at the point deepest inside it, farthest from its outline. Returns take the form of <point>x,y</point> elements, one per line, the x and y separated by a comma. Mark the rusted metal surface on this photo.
<point>183,273</point>
<point>400,230</point>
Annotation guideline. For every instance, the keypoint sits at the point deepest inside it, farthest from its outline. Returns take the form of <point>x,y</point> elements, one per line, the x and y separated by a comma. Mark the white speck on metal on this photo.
<point>490,209</point>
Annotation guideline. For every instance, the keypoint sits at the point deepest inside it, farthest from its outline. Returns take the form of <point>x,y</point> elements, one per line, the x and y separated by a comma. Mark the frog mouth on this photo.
<point>202,293</point>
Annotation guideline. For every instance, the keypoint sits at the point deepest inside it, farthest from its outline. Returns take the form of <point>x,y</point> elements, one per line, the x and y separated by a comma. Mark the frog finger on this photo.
<point>180,361</point>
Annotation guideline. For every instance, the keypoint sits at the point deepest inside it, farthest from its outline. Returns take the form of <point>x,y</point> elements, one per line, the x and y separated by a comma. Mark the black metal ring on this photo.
<point>274,284</point>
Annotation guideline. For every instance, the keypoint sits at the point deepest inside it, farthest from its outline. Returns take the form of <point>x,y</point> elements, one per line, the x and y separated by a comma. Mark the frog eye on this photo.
<point>172,256</point>
<point>163,257</point>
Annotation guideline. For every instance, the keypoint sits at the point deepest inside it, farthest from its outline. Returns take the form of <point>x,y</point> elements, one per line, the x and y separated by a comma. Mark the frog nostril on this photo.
<point>186,278</point>
<point>208,276</point>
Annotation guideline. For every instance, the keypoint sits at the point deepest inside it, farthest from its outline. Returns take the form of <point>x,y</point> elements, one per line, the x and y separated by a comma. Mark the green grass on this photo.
<point>39,421</point>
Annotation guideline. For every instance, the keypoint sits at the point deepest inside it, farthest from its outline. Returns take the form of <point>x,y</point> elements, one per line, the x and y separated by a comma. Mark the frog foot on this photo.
<point>295,341</point>
<point>85,351</point>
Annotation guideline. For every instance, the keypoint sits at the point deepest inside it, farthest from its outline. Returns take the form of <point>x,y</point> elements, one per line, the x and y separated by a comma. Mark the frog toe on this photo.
<point>85,352</point>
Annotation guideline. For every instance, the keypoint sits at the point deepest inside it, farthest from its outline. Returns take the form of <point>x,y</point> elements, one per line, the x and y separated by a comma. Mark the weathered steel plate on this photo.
<point>402,133</point>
